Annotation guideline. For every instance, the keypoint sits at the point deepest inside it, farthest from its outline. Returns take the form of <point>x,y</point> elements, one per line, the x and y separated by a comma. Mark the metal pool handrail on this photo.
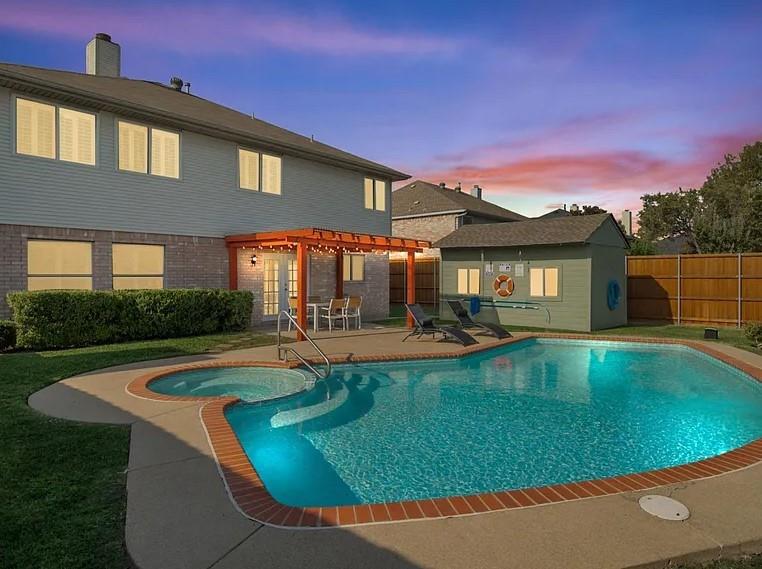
<point>283,350</point>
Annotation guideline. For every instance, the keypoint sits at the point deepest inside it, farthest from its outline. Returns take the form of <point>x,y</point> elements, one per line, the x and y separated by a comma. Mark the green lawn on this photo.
<point>62,484</point>
<point>754,562</point>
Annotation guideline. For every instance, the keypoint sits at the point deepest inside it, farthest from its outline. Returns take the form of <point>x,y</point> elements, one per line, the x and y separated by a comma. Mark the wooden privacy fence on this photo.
<point>426,281</point>
<point>720,289</point>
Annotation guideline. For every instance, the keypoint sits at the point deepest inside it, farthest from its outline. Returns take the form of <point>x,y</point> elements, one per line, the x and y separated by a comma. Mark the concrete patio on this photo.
<point>180,515</point>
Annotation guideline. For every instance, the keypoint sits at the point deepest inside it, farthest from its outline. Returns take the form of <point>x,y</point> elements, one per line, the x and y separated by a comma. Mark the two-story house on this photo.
<point>115,183</point>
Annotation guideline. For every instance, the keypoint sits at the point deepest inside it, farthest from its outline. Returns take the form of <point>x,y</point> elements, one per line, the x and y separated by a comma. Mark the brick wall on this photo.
<point>431,228</point>
<point>189,262</point>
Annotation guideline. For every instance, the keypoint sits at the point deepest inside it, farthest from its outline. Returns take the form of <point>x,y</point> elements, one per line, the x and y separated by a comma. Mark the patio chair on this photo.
<point>465,321</point>
<point>352,310</point>
<point>424,324</point>
<point>292,303</point>
<point>335,312</point>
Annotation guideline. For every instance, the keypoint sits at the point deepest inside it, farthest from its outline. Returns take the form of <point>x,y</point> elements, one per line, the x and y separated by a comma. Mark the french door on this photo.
<point>279,282</point>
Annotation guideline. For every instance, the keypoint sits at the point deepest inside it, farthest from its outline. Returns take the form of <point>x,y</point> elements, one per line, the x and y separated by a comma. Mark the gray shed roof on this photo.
<point>553,231</point>
<point>149,100</point>
<point>423,198</point>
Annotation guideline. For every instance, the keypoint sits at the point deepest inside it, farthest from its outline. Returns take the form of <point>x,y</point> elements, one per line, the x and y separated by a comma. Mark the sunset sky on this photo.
<point>540,103</point>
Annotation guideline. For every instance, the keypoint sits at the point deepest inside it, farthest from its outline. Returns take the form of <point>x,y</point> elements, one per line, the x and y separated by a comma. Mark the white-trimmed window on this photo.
<point>137,266</point>
<point>35,128</point>
<point>375,194</point>
<point>354,267</point>
<point>259,172</point>
<point>543,281</point>
<point>468,281</point>
<point>59,265</point>
<point>133,147</point>
<point>165,153</point>
<point>76,134</point>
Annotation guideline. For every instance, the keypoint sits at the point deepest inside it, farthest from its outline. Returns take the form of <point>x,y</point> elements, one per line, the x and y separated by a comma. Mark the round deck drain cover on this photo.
<point>664,507</point>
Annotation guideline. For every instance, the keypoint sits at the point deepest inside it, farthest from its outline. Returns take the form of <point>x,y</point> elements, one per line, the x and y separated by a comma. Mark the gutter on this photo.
<point>19,81</point>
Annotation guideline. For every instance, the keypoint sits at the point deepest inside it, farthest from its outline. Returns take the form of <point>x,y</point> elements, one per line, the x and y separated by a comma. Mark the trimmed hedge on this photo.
<point>7,334</point>
<point>71,318</point>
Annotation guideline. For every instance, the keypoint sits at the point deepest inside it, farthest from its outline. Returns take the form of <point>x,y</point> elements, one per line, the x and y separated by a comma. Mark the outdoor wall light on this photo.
<point>254,259</point>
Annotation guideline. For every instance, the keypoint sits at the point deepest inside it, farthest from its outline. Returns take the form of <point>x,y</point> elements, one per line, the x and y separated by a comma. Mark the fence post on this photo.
<point>740,290</point>
<point>679,300</point>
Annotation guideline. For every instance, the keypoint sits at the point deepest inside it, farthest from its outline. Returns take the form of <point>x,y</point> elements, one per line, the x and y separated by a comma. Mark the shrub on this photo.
<point>7,334</point>
<point>753,331</point>
<point>70,318</point>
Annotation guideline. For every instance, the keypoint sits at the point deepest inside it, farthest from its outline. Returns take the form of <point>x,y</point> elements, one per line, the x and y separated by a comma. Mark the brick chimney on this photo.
<point>103,57</point>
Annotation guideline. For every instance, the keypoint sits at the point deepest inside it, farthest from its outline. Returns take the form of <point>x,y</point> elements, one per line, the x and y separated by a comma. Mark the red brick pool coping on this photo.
<point>249,494</point>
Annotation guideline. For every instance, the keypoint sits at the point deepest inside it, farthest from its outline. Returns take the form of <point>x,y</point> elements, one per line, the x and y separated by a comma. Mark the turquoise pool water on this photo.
<point>533,413</point>
<point>248,383</point>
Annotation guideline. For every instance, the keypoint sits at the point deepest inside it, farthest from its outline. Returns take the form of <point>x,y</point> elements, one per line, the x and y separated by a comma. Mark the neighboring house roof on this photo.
<point>553,231</point>
<point>147,100</point>
<point>422,198</point>
<point>555,213</point>
<point>676,245</point>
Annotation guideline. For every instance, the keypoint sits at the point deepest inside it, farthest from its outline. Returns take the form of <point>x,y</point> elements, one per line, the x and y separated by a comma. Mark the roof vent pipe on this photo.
<point>442,185</point>
<point>476,191</point>
<point>176,83</point>
<point>458,188</point>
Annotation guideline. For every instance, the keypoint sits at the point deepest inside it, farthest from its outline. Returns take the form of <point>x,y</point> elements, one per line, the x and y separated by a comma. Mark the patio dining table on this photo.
<point>315,307</point>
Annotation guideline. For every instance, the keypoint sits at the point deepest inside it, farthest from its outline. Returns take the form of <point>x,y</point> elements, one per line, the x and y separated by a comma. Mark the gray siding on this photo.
<point>608,262</point>
<point>205,201</point>
<point>570,311</point>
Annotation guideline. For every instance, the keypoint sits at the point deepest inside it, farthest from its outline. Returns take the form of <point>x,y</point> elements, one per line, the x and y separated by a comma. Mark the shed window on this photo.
<point>59,265</point>
<point>468,281</point>
<point>375,194</point>
<point>76,133</point>
<point>35,129</point>
<point>543,281</point>
<point>354,267</point>
<point>137,266</point>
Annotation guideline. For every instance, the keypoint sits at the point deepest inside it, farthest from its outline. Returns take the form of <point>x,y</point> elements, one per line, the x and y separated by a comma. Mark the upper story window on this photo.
<point>48,131</point>
<point>134,150</point>
<point>59,265</point>
<point>375,194</point>
<point>354,267</point>
<point>543,281</point>
<point>259,172</point>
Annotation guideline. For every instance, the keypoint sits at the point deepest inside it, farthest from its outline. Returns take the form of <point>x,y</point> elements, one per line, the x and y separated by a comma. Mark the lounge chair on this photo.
<point>465,321</point>
<point>424,324</point>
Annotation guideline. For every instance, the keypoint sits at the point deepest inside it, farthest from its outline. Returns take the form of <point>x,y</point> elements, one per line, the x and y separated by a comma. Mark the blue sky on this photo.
<point>540,103</point>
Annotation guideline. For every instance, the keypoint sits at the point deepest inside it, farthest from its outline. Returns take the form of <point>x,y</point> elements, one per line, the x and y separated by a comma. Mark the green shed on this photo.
<point>565,273</point>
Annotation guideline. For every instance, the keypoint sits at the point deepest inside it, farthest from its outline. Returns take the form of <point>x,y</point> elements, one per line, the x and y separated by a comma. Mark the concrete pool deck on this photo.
<point>180,515</point>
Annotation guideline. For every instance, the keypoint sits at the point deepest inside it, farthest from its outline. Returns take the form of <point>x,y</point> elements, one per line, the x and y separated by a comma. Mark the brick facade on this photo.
<point>322,282</point>
<point>431,228</point>
<point>189,262</point>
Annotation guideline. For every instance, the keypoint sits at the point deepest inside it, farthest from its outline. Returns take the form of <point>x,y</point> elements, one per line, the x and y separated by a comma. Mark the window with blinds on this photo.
<point>468,281</point>
<point>165,153</point>
<point>354,267</point>
<point>133,147</point>
<point>76,133</point>
<point>35,129</point>
<point>59,265</point>
<point>259,172</point>
<point>137,266</point>
<point>543,282</point>
<point>375,194</point>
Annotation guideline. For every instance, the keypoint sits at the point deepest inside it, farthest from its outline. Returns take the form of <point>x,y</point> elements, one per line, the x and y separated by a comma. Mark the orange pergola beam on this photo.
<point>301,286</point>
<point>410,268</point>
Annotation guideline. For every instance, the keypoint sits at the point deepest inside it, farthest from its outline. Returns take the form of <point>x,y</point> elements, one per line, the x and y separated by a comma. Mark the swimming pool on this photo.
<point>535,413</point>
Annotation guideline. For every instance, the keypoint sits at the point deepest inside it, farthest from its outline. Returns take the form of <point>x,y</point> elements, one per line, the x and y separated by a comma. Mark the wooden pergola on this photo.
<point>305,241</point>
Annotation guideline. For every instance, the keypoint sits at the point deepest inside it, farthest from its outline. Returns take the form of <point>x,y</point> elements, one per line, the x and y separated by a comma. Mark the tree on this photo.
<point>670,214</point>
<point>639,246</point>
<point>723,216</point>
<point>587,210</point>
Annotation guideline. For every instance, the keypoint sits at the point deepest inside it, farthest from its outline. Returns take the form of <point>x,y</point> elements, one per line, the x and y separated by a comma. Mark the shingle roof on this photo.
<point>421,198</point>
<point>148,99</point>
<point>553,231</point>
<point>554,213</point>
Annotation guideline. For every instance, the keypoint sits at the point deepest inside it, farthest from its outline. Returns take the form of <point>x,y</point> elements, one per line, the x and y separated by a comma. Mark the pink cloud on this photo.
<point>211,29</point>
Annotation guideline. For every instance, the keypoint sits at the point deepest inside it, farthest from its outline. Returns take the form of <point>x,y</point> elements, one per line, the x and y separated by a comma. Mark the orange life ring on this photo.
<point>501,290</point>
